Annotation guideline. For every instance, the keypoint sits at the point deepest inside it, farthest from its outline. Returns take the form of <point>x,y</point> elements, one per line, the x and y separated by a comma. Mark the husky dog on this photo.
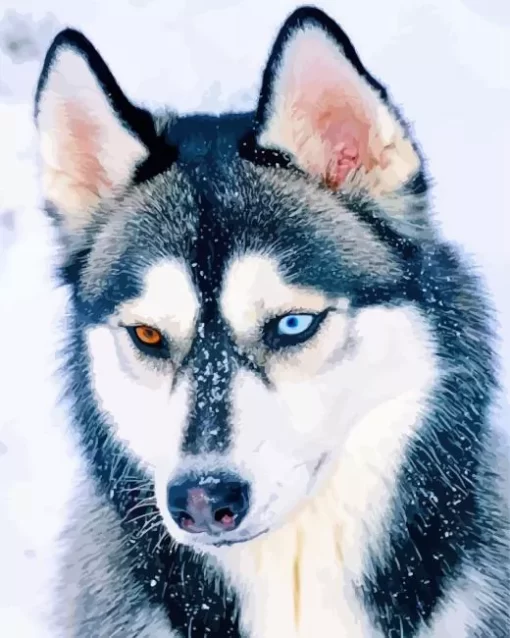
<point>281,378</point>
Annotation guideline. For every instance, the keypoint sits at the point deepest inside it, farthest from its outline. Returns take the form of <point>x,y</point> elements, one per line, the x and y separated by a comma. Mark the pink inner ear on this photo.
<point>330,109</point>
<point>345,135</point>
<point>82,150</point>
<point>338,121</point>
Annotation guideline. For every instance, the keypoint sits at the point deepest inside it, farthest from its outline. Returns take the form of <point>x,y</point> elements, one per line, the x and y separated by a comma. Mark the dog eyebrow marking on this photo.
<point>169,301</point>
<point>254,289</point>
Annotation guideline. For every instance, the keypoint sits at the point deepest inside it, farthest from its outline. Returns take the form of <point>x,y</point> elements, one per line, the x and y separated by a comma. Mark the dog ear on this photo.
<point>91,138</point>
<point>320,107</point>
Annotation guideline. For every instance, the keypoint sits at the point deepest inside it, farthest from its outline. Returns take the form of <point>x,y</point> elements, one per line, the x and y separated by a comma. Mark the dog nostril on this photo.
<point>185,520</point>
<point>225,516</point>
<point>211,504</point>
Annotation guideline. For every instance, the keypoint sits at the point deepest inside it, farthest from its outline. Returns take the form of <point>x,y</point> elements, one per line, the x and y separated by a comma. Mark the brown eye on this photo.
<point>149,341</point>
<point>148,336</point>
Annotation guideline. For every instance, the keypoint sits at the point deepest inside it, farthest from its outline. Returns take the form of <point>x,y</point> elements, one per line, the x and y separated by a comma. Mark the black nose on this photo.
<point>210,503</point>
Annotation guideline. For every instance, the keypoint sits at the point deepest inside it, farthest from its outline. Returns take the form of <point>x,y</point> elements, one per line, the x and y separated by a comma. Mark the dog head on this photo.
<point>243,286</point>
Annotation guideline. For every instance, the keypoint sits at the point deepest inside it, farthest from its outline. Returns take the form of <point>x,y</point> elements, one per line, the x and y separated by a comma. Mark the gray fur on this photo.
<point>97,594</point>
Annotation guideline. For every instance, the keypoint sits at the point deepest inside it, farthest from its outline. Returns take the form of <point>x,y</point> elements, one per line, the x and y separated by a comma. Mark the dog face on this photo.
<point>243,286</point>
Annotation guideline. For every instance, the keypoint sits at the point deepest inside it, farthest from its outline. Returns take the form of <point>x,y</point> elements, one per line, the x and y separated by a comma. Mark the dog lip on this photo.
<point>227,542</point>
<point>319,464</point>
<point>312,483</point>
<point>237,541</point>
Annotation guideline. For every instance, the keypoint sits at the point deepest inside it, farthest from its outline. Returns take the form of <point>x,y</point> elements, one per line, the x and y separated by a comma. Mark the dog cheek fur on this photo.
<point>368,426</point>
<point>138,403</point>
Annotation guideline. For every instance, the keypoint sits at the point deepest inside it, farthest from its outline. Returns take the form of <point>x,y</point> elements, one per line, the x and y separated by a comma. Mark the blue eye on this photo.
<point>294,324</point>
<point>292,329</point>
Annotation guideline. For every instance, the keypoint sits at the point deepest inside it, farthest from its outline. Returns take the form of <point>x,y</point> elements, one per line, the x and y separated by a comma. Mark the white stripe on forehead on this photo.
<point>168,301</point>
<point>253,288</point>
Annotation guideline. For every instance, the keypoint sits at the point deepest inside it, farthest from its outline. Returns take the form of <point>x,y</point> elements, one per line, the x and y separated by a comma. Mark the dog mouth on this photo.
<point>239,541</point>
<point>208,540</point>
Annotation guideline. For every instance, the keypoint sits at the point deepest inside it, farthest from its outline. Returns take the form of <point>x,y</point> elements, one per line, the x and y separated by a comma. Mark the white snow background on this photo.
<point>447,62</point>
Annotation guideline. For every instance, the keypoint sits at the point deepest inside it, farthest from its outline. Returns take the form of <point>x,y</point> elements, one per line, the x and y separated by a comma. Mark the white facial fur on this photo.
<point>372,361</point>
<point>138,399</point>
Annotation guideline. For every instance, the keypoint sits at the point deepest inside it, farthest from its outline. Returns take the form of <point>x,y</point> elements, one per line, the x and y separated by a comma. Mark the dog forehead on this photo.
<point>239,234</point>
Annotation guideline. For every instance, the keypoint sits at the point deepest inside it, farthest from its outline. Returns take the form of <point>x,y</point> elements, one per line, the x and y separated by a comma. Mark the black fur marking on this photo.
<point>251,151</point>
<point>403,246</point>
<point>69,272</point>
<point>160,159</point>
<point>211,361</point>
<point>213,357</point>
